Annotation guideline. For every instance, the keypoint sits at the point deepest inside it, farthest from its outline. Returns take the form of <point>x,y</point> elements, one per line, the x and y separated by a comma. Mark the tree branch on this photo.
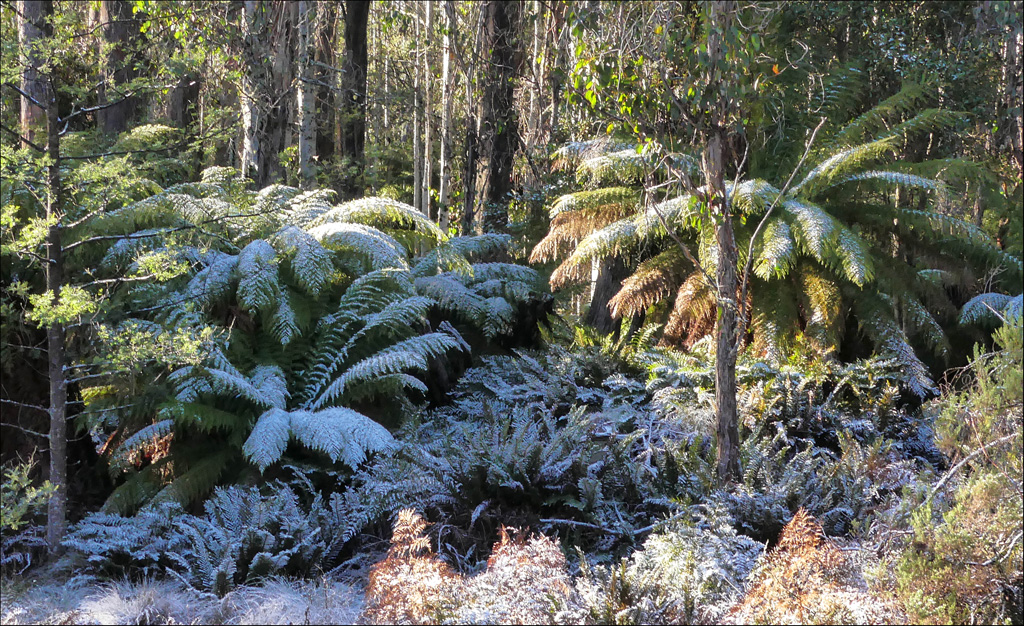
<point>23,140</point>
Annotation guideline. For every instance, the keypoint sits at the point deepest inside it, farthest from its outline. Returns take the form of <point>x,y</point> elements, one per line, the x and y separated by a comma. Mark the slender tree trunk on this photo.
<point>470,219</point>
<point>427,106</point>
<point>326,78</point>
<point>728,466</point>
<point>307,94</point>
<point>448,87</point>
<point>499,136</point>
<point>557,27</point>
<point>56,514</point>
<point>30,34</point>
<point>417,148</point>
<point>119,30</point>
<point>353,95</point>
<point>254,80</point>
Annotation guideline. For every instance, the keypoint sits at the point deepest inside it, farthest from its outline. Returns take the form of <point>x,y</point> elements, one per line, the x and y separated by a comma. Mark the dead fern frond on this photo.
<point>411,585</point>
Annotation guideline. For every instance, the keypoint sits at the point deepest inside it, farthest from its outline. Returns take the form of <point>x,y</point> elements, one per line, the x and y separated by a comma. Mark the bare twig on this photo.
<point>953,470</point>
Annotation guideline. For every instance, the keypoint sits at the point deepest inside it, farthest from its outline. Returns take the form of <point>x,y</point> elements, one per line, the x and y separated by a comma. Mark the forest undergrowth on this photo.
<point>575,485</point>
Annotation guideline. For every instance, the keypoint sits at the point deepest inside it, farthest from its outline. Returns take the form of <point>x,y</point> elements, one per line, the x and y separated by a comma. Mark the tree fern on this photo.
<point>310,308</point>
<point>829,223</point>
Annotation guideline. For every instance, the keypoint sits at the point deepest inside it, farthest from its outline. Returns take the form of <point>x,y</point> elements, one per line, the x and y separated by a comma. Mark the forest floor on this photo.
<point>167,601</point>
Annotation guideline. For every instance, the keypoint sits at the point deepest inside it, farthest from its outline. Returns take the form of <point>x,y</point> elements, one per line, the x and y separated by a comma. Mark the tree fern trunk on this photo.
<point>607,281</point>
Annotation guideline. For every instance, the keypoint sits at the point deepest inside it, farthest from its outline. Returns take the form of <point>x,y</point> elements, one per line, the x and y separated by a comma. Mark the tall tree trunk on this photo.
<point>499,131</point>
<point>353,96</point>
<point>470,220</point>
<point>447,91</point>
<point>32,13</point>
<point>326,77</point>
<point>728,465</point>
<point>417,148</point>
<point>307,94</point>
<point>119,30</point>
<point>268,48</point>
<point>427,103</point>
<point>557,28</point>
<point>255,79</point>
<point>56,513</point>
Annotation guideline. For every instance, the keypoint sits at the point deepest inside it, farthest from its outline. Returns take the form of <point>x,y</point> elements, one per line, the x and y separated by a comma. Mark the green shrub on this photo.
<point>20,500</point>
<point>964,563</point>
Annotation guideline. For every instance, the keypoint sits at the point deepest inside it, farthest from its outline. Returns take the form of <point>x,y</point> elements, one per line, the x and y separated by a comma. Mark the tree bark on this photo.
<point>32,14</point>
<point>119,30</point>
<point>427,76</point>
<point>417,148</point>
<point>326,78</point>
<point>499,129</point>
<point>268,47</point>
<point>727,431</point>
<point>448,88</point>
<point>606,281</point>
<point>470,219</point>
<point>56,513</point>
<point>307,94</point>
<point>353,97</point>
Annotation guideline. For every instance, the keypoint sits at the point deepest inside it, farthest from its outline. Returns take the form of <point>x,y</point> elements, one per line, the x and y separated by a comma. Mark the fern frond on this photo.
<point>654,279</point>
<point>311,263</point>
<point>407,355</point>
<point>824,304</point>
<point>695,302</point>
<point>983,307</point>
<point>258,287</point>
<point>777,251</point>
<point>568,229</point>
<point>900,179</point>
<point>383,214</point>
<point>341,433</point>
<point>924,323</point>
<point>213,283</point>
<point>842,164</point>
<point>205,418</point>
<point>378,248</point>
<point>445,257</point>
<point>622,200</point>
<point>144,438</point>
<point>876,319</point>
<point>197,481</point>
<point>269,438</point>
<point>269,381</point>
<point>452,295</point>
<point>502,271</point>
<point>752,197</point>
<point>879,116</point>
<point>776,313</point>
<point>613,240</point>
<point>680,213</point>
<point>306,208</point>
